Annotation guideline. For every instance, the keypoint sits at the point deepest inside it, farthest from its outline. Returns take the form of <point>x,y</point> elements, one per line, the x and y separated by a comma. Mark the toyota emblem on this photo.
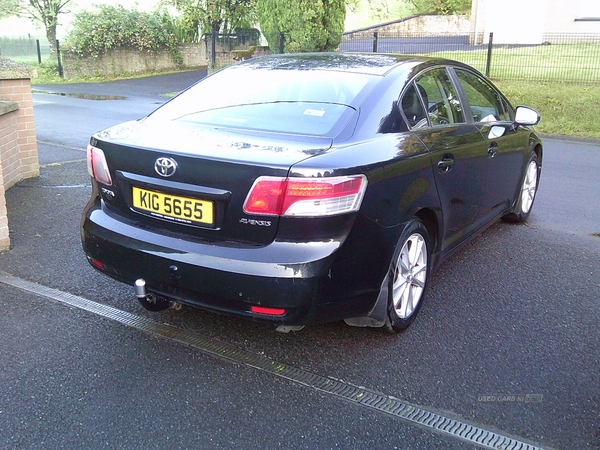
<point>165,167</point>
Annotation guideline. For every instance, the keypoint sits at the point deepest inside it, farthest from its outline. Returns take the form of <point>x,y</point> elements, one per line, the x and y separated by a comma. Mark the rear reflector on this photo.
<point>97,263</point>
<point>305,197</point>
<point>268,311</point>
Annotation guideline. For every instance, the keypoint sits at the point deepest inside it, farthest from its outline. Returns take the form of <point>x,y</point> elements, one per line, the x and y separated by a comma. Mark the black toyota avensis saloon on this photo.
<point>307,188</point>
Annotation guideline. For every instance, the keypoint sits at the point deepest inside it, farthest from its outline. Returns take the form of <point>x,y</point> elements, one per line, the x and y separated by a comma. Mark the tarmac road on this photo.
<point>514,313</point>
<point>74,122</point>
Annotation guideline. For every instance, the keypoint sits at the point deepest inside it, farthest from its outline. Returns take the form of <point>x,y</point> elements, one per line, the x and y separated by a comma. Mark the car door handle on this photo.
<point>445,164</point>
<point>493,149</point>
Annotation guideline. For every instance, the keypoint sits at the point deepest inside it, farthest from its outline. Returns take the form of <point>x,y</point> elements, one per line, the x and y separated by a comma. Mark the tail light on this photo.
<point>305,197</point>
<point>97,166</point>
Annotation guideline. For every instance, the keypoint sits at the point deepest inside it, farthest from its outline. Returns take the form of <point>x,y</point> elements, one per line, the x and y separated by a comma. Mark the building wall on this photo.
<point>573,16</point>
<point>531,21</point>
<point>8,137</point>
<point>18,144</point>
<point>19,157</point>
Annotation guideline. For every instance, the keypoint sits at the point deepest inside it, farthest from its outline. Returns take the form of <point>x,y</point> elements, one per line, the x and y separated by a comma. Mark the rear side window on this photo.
<point>439,97</point>
<point>412,106</point>
<point>486,104</point>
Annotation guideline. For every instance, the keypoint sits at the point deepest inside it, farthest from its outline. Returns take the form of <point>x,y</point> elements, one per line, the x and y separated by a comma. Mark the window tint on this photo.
<point>440,98</point>
<point>413,108</point>
<point>486,105</point>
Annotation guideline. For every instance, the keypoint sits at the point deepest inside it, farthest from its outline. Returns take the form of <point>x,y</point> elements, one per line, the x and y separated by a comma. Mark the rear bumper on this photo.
<point>306,279</point>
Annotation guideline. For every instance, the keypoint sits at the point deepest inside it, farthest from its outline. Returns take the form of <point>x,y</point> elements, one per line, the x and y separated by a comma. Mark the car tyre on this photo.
<point>527,192</point>
<point>408,276</point>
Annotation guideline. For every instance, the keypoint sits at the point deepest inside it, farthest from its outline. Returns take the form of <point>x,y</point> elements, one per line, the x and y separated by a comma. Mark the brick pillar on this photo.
<point>18,144</point>
<point>4,238</point>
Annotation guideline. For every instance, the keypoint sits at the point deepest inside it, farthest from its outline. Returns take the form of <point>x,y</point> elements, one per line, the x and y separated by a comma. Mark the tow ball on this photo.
<point>151,301</point>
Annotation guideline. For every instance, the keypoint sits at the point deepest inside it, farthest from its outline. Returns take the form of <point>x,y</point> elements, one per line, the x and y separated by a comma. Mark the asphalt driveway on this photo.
<point>153,86</point>
<point>514,313</point>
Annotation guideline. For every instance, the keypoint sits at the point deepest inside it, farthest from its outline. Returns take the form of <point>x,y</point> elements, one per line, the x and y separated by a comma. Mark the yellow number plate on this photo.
<point>173,207</point>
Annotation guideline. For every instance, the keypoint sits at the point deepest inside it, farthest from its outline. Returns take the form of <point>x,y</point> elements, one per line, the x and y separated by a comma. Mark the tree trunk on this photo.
<point>51,36</point>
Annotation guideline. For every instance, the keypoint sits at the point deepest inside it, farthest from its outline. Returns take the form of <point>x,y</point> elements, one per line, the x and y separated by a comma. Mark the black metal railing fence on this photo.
<point>560,57</point>
<point>26,50</point>
<point>569,58</point>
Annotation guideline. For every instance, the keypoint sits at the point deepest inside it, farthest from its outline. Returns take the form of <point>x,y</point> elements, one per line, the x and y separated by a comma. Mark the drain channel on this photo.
<point>362,396</point>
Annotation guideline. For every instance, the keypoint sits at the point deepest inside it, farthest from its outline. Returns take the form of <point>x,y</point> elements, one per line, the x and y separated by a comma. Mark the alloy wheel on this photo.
<point>529,187</point>
<point>410,276</point>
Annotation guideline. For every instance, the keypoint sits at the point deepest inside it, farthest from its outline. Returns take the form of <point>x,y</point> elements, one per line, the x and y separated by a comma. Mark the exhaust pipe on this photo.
<point>140,288</point>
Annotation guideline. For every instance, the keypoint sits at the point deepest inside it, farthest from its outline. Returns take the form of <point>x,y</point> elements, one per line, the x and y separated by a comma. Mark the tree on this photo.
<point>311,25</point>
<point>441,7</point>
<point>44,11</point>
<point>8,8</point>
<point>220,16</point>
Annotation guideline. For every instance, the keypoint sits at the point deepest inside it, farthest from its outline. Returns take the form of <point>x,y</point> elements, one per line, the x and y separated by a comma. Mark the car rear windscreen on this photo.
<point>307,102</point>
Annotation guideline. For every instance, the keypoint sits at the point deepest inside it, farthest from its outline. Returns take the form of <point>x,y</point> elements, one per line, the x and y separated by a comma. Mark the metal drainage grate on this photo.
<point>358,395</point>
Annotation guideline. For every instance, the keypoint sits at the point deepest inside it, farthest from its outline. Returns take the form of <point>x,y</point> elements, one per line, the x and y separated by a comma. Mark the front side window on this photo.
<point>486,105</point>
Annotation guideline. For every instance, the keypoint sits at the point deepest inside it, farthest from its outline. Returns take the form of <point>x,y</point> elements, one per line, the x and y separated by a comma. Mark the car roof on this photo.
<point>366,63</point>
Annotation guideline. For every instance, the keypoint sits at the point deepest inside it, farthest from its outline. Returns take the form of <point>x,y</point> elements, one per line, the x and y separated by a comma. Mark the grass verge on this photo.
<point>568,95</point>
<point>566,109</point>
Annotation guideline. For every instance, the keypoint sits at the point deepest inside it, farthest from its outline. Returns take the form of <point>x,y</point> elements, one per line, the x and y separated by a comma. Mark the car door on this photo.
<point>504,145</point>
<point>456,150</point>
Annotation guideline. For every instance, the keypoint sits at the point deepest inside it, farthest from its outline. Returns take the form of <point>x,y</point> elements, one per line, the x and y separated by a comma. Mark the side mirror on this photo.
<point>526,116</point>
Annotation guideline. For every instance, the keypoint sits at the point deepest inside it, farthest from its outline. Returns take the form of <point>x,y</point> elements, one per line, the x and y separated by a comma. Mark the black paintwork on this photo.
<point>319,269</point>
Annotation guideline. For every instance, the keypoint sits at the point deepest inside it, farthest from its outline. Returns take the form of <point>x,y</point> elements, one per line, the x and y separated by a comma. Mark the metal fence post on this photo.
<point>39,51</point>
<point>281,42</point>
<point>375,34</point>
<point>488,62</point>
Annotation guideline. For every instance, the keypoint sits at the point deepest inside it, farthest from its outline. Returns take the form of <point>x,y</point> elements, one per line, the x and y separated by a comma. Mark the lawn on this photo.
<point>577,63</point>
<point>566,109</point>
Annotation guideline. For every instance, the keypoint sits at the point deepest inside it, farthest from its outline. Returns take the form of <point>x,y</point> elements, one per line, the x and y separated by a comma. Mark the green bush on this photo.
<point>442,7</point>
<point>93,33</point>
<point>186,31</point>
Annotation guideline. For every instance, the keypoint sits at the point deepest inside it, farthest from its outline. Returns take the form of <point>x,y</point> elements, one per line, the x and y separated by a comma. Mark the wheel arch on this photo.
<point>539,152</point>
<point>431,222</point>
<point>537,149</point>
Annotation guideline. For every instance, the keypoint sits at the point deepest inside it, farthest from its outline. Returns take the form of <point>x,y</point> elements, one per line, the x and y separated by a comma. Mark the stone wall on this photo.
<point>131,62</point>
<point>430,24</point>
<point>18,144</point>
<point>224,57</point>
